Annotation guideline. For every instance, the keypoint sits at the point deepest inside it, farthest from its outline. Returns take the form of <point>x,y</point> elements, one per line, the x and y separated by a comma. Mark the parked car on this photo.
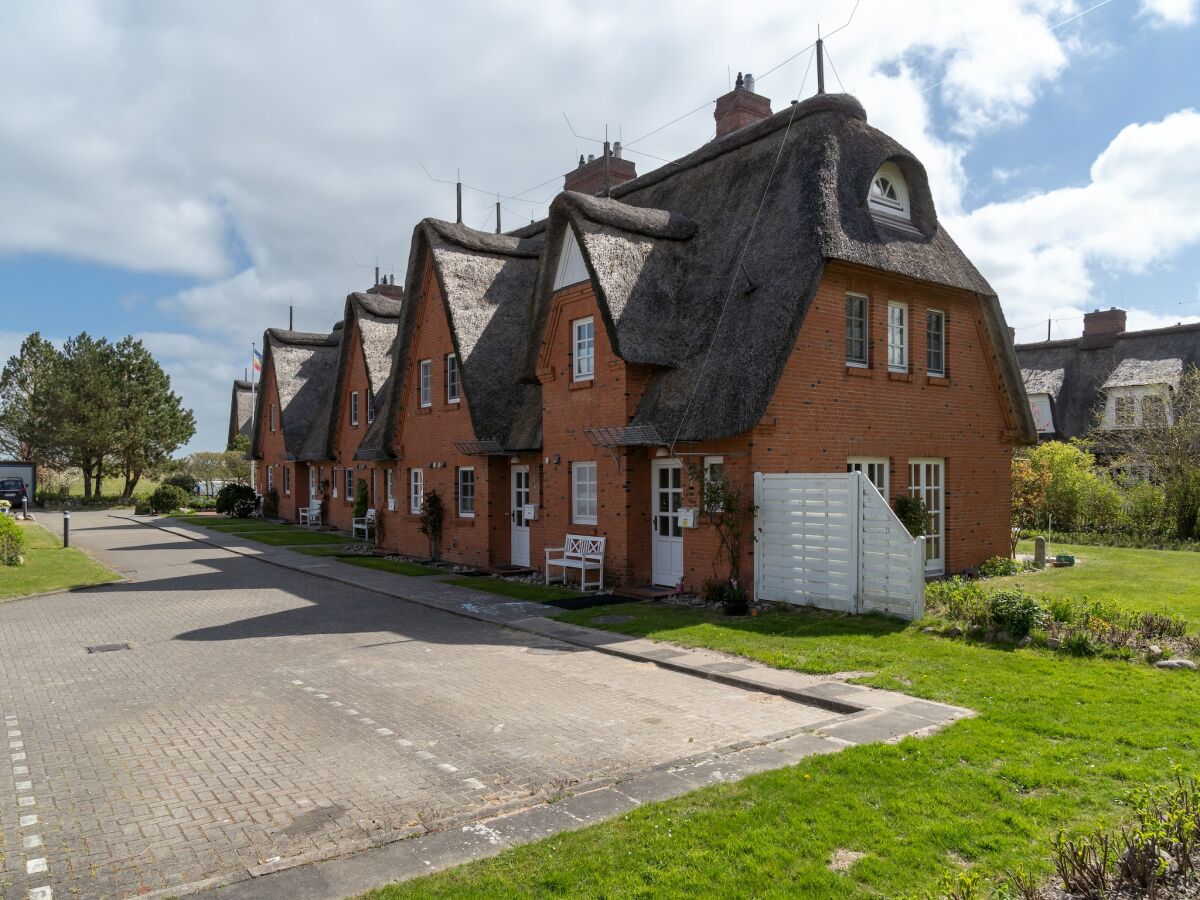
<point>13,490</point>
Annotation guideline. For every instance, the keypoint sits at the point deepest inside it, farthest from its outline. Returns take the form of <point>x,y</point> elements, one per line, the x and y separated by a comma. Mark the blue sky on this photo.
<point>166,177</point>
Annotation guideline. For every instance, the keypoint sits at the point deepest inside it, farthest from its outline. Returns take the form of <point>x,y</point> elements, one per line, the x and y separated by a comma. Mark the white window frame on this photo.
<point>711,463</point>
<point>349,484</point>
<point>879,204</point>
<point>272,418</point>
<point>585,493</point>
<point>897,336</point>
<point>463,510</point>
<point>370,407</point>
<point>416,490</point>
<point>425,383</point>
<point>387,485</point>
<point>930,316</point>
<point>873,467</point>
<point>270,477</point>
<point>865,361</point>
<point>354,409</point>
<point>453,379</point>
<point>935,543</point>
<point>583,364</point>
<point>287,481</point>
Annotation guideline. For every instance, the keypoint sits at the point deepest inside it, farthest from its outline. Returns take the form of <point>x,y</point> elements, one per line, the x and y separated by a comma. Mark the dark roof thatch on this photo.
<point>304,365</point>
<point>485,281</point>
<point>1076,376</point>
<point>241,410</point>
<point>664,251</point>
<point>373,318</point>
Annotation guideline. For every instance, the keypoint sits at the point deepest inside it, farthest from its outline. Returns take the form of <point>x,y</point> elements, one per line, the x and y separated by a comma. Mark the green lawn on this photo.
<point>1057,742</point>
<point>277,534</point>
<point>1152,580</point>
<point>231,525</point>
<point>50,567</point>
<point>535,593</point>
<point>390,565</point>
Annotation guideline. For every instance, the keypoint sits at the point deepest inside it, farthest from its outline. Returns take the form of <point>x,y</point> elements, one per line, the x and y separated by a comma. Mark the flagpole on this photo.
<point>254,412</point>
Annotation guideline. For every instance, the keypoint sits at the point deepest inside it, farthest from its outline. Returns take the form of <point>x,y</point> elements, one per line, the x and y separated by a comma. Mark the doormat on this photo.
<point>586,602</point>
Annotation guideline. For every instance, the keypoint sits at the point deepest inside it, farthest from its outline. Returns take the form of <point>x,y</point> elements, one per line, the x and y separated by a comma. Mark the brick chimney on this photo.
<point>740,107</point>
<point>589,177</point>
<point>1101,327</point>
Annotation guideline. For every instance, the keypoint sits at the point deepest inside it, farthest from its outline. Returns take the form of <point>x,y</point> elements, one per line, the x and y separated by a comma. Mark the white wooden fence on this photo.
<point>833,542</point>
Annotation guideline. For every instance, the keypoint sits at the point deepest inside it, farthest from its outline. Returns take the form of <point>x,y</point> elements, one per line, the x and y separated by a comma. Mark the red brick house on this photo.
<point>458,422</point>
<point>359,390</point>
<point>781,300</point>
<point>297,376</point>
<point>241,411</point>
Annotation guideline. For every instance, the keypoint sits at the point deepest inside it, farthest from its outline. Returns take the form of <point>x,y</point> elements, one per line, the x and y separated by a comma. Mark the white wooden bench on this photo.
<point>365,524</point>
<point>311,515</point>
<point>580,552</point>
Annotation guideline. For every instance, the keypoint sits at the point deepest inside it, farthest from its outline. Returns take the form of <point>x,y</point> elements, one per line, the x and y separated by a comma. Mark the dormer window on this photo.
<point>889,194</point>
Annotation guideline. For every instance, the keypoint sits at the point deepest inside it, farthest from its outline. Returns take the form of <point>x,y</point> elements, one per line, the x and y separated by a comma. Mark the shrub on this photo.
<point>1079,642</point>
<point>1101,504</point>
<point>433,514</point>
<point>183,481</point>
<point>167,497</point>
<point>1144,507</point>
<point>999,566</point>
<point>141,507</point>
<point>360,498</point>
<point>236,500</point>
<point>914,514</point>
<point>271,504</point>
<point>1016,612</point>
<point>959,601</point>
<point>12,542</point>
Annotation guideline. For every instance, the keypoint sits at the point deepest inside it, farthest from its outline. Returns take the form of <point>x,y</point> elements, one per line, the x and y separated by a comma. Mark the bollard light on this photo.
<point>66,528</point>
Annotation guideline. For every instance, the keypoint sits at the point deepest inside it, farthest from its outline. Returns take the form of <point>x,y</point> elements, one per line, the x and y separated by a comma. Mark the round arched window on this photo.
<point>889,195</point>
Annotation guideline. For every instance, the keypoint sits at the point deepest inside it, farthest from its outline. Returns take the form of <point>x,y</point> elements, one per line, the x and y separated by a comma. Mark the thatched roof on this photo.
<point>241,409</point>
<point>485,281</point>
<point>304,365</point>
<point>1081,374</point>
<point>663,253</point>
<point>373,319</point>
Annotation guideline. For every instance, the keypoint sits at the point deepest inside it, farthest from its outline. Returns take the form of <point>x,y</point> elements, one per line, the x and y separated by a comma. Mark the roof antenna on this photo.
<point>458,188</point>
<point>607,154</point>
<point>497,214</point>
<point>820,62</point>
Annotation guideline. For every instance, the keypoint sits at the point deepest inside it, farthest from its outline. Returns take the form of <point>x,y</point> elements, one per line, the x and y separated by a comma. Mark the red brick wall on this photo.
<point>347,437</point>
<point>274,453</point>
<point>426,439</point>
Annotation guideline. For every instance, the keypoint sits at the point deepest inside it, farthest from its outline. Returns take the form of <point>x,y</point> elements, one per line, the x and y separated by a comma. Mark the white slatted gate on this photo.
<point>833,542</point>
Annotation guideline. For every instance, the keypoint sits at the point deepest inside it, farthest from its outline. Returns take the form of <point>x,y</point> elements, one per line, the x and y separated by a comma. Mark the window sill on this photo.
<point>937,380</point>
<point>580,385</point>
<point>453,405</point>
<point>859,372</point>
<point>899,376</point>
<point>465,521</point>
<point>424,410</point>
<point>591,524</point>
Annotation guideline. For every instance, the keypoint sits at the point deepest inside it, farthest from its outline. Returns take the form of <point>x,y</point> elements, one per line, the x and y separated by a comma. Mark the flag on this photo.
<point>257,361</point>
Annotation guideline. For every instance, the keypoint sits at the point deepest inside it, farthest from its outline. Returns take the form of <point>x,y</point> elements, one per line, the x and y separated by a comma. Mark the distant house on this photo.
<point>297,376</point>
<point>1108,376</point>
<point>241,411</point>
<point>355,398</point>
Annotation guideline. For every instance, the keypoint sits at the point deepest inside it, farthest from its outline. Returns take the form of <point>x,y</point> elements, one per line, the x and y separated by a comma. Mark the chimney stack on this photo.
<point>598,176</point>
<point>1101,327</point>
<point>740,107</point>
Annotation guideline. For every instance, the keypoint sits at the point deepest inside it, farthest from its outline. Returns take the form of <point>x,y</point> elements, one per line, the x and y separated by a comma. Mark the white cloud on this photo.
<point>1136,211</point>
<point>1169,12</point>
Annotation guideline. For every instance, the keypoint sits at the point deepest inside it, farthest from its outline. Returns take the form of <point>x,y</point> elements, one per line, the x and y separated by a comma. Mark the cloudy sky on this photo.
<point>185,170</point>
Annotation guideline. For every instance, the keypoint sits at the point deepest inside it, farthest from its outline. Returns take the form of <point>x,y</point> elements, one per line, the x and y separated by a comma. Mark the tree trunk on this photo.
<point>85,465</point>
<point>131,481</point>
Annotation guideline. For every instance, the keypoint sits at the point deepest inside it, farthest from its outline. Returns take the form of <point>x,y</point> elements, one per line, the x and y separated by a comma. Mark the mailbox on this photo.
<point>529,511</point>
<point>687,517</point>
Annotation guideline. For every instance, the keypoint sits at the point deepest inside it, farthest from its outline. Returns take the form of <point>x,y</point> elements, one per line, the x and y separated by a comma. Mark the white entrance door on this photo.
<point>312,485</point>
<point>520,528</point>
<point>667,539</point>
<point>926,480</point>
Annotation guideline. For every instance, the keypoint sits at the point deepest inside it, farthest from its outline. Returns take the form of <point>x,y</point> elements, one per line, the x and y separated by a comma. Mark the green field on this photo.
<point>1151,580</point>
<point>518,590</point>
<point>1057,742</point>
<point>50,567</point>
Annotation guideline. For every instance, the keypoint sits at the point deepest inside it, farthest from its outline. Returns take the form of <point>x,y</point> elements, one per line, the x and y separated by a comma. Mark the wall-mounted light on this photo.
<point>662,451</point>
<point>515,460</point>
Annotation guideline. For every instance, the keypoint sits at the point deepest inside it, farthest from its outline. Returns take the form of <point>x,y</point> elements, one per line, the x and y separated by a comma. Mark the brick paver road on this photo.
<point>264,714</point>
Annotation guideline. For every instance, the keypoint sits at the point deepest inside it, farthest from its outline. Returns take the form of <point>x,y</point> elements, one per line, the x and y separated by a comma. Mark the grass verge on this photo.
<point>397,567</point>
<point>50,567</point>
<point>1166,580</point>
<point>1057,743</point>
<point>518,590</point>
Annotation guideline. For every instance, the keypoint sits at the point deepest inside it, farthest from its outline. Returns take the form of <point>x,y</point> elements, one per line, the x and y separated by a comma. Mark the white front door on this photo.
<point>926,480</point>
<point>312,486</point>
<point>666,478</point>
<point>520,528</point>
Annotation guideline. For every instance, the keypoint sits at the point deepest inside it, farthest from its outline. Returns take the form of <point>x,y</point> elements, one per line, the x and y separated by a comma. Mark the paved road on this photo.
<point>264,714</point>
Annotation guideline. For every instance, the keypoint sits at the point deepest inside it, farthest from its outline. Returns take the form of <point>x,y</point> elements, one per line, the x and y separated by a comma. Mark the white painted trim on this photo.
<point>571,267</point>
